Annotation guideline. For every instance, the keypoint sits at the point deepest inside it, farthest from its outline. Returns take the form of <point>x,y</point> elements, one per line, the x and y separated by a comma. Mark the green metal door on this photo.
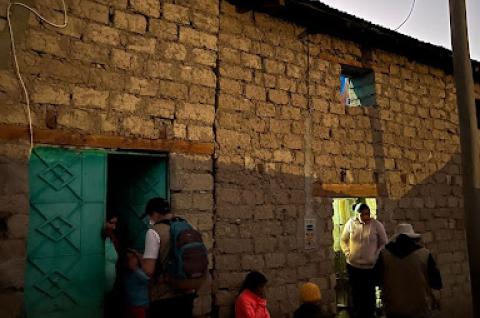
<point>133,180</point>
<point>65,253</point>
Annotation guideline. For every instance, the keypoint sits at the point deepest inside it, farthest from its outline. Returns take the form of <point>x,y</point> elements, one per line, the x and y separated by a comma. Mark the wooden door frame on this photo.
<point>344,190</point>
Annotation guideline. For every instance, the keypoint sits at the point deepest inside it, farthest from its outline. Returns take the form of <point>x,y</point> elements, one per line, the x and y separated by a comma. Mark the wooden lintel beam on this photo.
<point>69,138</point>
<point>345,190</point>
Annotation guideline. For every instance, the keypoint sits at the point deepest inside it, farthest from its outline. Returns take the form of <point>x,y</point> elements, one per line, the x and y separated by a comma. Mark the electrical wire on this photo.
<point>408,16</point>
<point>14,53</point>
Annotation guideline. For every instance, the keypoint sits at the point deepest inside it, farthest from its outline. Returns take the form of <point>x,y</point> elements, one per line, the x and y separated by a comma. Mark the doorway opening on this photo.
<point>132,180</point>
<point>343,210</point>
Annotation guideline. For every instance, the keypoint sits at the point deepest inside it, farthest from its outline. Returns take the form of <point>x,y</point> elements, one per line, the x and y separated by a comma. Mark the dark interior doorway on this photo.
<point>132,180</point>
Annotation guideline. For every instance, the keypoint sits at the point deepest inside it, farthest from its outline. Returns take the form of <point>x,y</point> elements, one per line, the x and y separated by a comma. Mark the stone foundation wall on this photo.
<point>267,96</point>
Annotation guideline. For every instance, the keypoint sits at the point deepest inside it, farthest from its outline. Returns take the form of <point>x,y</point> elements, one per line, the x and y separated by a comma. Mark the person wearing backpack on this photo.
<point>176,260</point>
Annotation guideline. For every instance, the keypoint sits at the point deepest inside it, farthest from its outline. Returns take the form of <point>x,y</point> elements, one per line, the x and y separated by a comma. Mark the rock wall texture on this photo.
<point>268,98</point>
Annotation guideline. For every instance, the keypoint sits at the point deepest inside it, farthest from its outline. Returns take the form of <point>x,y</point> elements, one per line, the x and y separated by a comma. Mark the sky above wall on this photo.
<point>429,22</point>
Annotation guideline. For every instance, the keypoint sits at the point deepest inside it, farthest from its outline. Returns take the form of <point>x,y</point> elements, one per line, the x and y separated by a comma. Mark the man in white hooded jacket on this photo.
<point>362,240</point>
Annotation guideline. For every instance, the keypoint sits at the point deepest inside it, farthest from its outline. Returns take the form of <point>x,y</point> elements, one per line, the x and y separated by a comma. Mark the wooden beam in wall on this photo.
<point>69,138</point>
<point>345,190</point>
<point>350,62</point>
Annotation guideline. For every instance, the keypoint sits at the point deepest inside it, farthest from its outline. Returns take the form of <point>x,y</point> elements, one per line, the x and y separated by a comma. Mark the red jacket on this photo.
<point>250,305</point>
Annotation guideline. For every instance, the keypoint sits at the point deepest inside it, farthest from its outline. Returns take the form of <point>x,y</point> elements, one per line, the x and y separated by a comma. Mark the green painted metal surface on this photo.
<point>364,89</point>
<point>133,180</point>
<point>65,253</point>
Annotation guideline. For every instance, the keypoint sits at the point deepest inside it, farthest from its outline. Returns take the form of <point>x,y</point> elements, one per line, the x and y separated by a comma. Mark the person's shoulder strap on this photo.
<point>166,222</point>
<point>177,219</point>
<point>162,228</point>
<point>171,220</point>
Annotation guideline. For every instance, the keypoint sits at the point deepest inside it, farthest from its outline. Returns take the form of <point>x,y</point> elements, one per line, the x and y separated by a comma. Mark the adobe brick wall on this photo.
<point>197,70</point>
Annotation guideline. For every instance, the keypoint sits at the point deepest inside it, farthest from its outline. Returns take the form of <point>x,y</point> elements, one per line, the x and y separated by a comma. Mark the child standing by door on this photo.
<point>135,286</point>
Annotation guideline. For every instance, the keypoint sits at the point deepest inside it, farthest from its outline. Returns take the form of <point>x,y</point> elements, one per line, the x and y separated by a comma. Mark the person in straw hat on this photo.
<point>408,274</point>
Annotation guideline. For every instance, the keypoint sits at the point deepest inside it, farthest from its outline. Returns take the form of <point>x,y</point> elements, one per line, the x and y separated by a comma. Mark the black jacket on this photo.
<point>403,246</point>
<point>309,311</point>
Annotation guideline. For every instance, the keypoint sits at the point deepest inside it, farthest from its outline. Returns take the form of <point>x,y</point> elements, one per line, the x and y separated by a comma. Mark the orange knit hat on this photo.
<point>310,293</point>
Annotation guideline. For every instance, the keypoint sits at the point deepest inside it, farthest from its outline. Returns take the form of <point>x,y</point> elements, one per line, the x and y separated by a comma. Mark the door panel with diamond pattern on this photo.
<point>65,262</point>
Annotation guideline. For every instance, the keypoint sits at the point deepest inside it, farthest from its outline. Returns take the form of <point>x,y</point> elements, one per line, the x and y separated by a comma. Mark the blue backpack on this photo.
<point>187,263</point>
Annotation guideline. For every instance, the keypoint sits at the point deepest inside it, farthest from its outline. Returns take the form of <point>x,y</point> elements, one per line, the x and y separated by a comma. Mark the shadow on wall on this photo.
<point>255,226</point>
<point>259,211</point>
<point>434,207</point>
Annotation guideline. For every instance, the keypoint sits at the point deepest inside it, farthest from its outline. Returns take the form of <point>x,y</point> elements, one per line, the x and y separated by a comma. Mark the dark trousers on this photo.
<point>395,316</point>
<point>176,307</point>
<point>135,312</point>
<point>362,283</point>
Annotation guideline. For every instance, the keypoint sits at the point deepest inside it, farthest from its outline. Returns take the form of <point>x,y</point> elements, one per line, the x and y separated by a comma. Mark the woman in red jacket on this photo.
<point>251,302</point>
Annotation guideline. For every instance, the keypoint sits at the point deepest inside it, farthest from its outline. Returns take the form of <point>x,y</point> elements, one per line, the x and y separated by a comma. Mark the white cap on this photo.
<point>407,229</point>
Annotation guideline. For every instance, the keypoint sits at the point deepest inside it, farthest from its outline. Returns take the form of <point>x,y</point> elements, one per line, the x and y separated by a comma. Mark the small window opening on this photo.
<point>477,108</point>
<point>357,86</point>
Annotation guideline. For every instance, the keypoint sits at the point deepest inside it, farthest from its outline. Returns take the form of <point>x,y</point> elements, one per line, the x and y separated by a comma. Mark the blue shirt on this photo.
<point>136,288</point>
